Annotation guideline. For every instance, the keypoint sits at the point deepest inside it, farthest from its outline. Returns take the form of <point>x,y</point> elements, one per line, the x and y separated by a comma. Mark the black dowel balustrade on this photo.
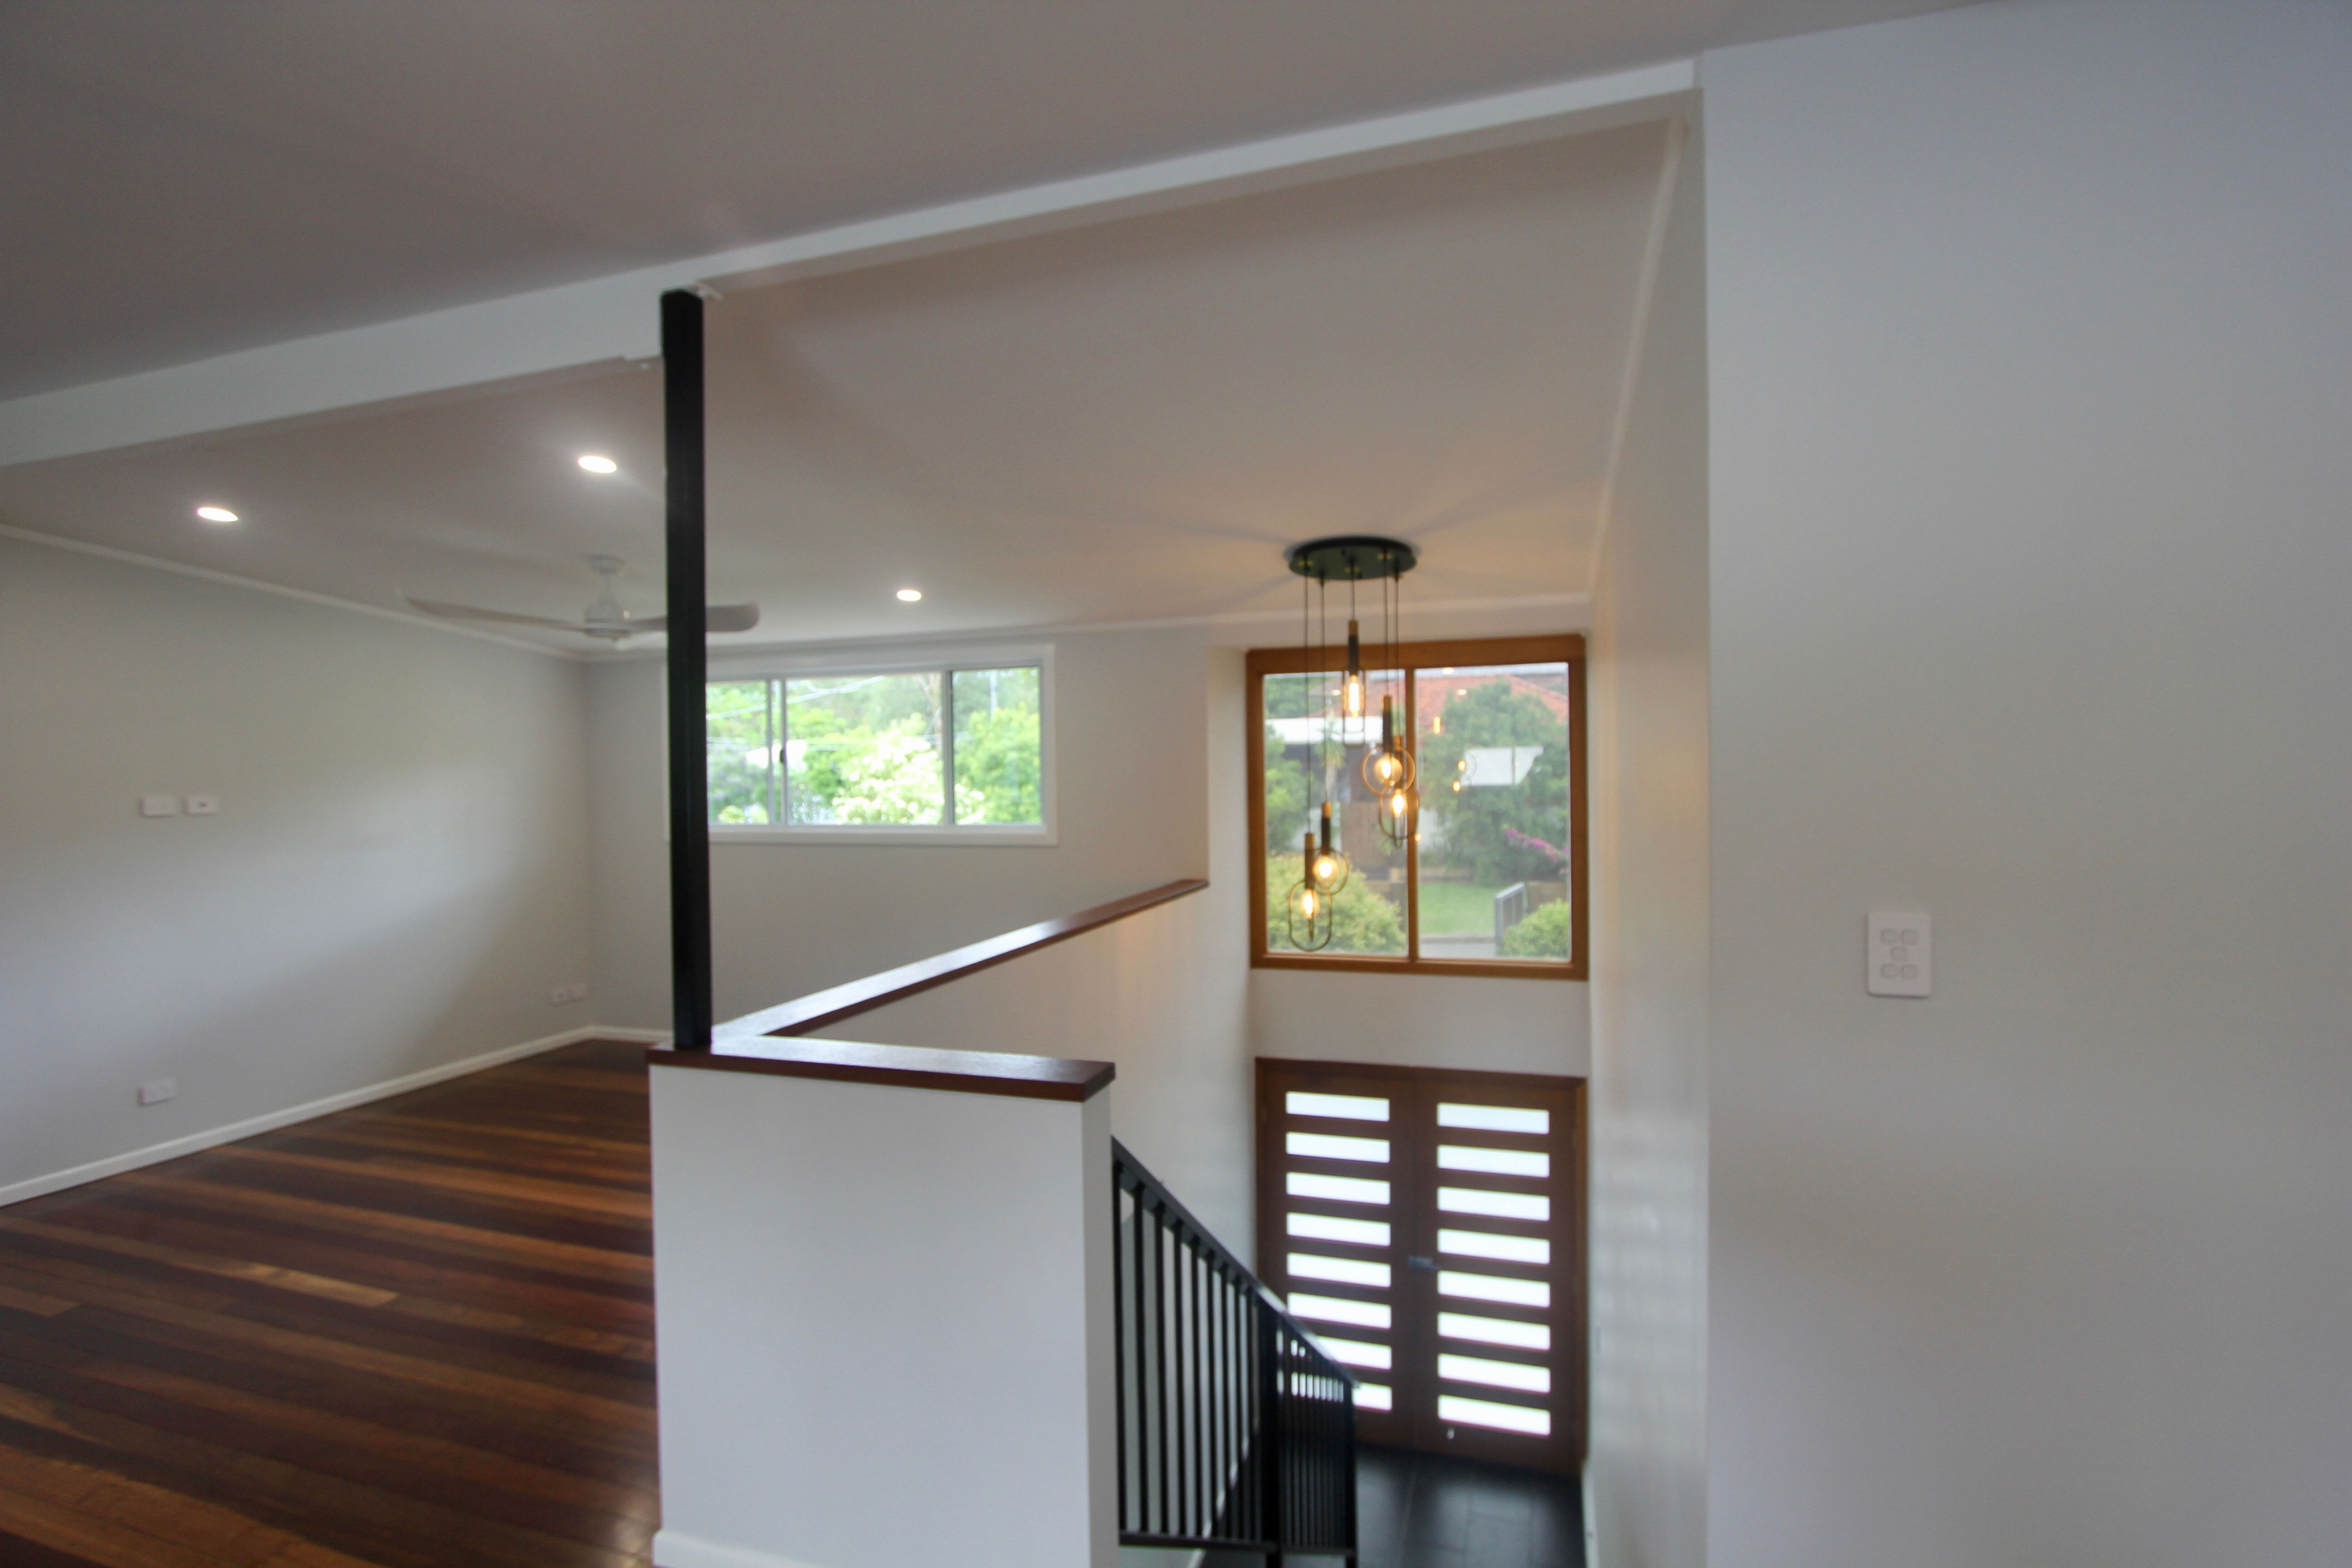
<point>1236,1430</point>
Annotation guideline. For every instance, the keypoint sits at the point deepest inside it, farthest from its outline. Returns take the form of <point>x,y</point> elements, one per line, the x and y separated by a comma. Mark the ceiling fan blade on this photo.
<point>715,618</point>
<point>470,613</point>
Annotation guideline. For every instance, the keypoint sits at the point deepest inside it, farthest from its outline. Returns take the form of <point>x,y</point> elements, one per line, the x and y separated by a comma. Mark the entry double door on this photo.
<point>1428,1226</point>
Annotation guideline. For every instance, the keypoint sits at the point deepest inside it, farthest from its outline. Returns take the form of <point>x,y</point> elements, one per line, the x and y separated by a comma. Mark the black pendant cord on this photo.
<point>690,764</point>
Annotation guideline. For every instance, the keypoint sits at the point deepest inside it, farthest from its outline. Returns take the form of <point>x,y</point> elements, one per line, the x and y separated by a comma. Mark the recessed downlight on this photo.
<point>216,514</point>
<point>910,595</point>
<point>597,463</point>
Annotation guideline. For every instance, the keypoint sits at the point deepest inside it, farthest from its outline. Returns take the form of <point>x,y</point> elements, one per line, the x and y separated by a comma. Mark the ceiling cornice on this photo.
<point>230,579</point>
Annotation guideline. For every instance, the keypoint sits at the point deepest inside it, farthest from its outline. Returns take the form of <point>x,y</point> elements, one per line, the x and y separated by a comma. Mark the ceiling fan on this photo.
<point>604,618</point>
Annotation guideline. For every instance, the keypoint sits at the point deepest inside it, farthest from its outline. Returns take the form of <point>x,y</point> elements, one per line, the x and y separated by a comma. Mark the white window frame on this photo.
<point>752,664</point>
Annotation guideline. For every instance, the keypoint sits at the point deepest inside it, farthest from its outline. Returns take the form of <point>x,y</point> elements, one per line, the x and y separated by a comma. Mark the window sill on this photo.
<point>1490,969</point>
<point>868,836</point>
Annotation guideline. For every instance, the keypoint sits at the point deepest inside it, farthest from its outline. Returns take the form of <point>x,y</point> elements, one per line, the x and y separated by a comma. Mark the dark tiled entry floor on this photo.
<point>1423,1510</point>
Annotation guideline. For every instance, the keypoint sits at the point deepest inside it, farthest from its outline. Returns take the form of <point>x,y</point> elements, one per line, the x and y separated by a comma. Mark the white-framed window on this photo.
<point>953,746</point>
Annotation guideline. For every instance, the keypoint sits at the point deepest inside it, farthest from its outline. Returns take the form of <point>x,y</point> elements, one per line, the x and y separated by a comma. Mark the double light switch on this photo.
<point>1902,955</point>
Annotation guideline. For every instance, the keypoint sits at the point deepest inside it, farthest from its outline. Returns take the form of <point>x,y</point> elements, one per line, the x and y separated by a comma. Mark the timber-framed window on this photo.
<point>1491,876</point>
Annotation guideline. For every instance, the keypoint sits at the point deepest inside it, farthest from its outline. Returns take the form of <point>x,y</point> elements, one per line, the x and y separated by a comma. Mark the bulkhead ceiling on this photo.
<point>1127,420</point>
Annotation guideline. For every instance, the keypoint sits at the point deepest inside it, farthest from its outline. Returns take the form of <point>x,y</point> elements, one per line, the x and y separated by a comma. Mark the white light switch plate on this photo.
<point>1902,953</point>
<point>159,806</point>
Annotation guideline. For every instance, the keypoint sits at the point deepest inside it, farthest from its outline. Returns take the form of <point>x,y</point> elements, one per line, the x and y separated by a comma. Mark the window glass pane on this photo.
<point>1314,754</point>
<point>1499,1162</point>
<point>741,738</point>
<point>1500,1373</point>
<point>1486,1413</point>
<point>999,747</point>
<point>1349,1107</point>
<point>1493,821</point>
<point>1487,1288</point>
<point>1494,1118</point>
<point>1494,1331</point>
<point>1361,1232</point>
<point>1341,1189</point>
<point>1331,1146</point>
<point>1346,1270</point>
<point>863,748</point>
<point>1487,1244</point>
<point>1503,1206</point>
<point>1339,1310</point>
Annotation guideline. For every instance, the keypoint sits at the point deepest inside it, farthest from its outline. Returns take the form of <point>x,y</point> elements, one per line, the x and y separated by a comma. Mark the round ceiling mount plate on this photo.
<point>1352,558</point>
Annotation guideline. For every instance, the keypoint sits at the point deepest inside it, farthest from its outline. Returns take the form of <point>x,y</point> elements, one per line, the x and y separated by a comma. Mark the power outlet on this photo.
<point>156,1091</point>
<point>1902,953</point>
<point>203,805</point>
<point>575,992</point>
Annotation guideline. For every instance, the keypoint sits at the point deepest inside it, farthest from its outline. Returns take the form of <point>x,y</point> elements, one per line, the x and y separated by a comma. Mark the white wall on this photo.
<point>394,882</point>
<point>1649,736</point>
<point>886,1334</point>
<point>2029,355</point>
<point>789,919</point>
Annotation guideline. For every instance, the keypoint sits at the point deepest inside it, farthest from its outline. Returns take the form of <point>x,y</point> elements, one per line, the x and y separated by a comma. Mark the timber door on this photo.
<point>1428,1226</point>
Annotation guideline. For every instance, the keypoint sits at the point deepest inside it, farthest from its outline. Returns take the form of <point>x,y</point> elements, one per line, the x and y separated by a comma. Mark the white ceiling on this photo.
<point>1122,421</point>
<point>181,180</point>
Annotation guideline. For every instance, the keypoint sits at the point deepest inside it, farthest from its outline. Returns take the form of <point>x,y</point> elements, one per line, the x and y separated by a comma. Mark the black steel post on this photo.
<point>690,828</point>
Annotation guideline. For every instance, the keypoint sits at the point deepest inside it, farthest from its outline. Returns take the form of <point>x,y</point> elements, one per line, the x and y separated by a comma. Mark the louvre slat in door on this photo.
<point>1428,1226</point>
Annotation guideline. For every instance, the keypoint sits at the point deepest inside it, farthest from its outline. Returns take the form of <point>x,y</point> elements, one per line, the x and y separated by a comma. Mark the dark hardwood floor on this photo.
<point>417,1335</point>
<point>420,1335</point>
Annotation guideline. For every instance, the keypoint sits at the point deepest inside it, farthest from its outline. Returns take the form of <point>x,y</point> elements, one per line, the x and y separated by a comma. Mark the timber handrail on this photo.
<point>768,1041</point>
<point>820,1009</point>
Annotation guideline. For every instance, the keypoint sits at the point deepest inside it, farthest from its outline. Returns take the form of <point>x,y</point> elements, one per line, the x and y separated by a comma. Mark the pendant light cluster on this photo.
<point>1388,768</point>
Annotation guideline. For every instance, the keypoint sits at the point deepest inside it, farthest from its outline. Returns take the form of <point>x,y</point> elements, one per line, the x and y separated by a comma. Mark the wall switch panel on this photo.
<point>159,806</point>
<point>203,805</point>
<point>1902,955</point>
<point>156,1091</point>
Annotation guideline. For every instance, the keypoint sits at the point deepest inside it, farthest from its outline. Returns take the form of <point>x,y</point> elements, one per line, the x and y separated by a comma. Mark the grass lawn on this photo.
<point>1450,909</point>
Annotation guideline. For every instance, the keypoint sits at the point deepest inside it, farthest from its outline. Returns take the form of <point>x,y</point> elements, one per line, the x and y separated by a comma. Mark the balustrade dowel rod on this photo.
<point>1271,1435</point>
<point>1188,1501</point>
<point>1120,1315</point>
<point>1160,1351</point>
<point>1199,1362</point>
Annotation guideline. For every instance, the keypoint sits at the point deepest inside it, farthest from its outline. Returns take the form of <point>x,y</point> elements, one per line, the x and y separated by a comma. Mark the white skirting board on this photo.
<point>156,1153</point>
<point>674,1549</point>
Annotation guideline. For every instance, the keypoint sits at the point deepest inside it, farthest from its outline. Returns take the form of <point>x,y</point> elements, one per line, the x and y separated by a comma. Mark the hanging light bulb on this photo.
<point>1389,766</point>
<point>1327,868</point>
<point>1306,909</point>
<point>1351,684</point>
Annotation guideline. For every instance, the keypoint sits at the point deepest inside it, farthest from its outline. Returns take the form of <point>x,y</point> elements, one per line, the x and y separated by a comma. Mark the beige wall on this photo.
<point>2029,353</point>
<point>395,881</point>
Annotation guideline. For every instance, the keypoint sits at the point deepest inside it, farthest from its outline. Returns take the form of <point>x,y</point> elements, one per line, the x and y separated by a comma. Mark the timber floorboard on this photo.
<point>418,1334</point>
